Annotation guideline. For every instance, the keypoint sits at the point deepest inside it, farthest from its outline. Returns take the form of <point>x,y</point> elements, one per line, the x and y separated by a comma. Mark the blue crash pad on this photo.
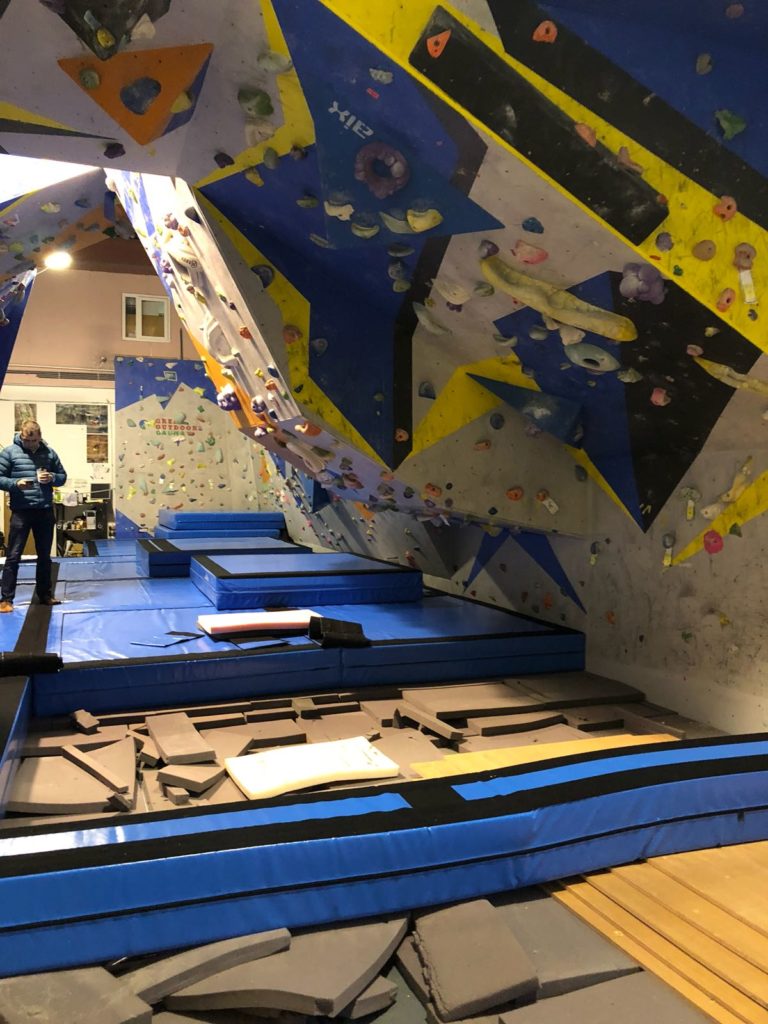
<point>220,521</point>
<point>266,581</point>
<point>172,557</point>
<point>110,665</point>
<point>114,548</point>
<point>211,530</point>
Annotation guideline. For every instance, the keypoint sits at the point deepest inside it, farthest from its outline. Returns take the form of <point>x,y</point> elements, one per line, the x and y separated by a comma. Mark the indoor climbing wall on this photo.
<point>490,273</point>
<point>175,448</point>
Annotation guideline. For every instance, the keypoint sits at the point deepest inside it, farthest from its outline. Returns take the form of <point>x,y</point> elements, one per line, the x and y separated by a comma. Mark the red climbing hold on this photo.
<point>436,44</point>
<point>546,32</point>
<point>713,542</point>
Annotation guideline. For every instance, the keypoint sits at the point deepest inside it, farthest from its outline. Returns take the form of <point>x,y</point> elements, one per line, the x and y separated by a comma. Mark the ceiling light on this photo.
<point>58,260</point>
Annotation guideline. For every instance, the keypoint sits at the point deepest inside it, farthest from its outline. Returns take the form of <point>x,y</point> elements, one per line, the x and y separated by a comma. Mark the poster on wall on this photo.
<point>23,411</point>
<point>94,417</point>
<point>97,447</point>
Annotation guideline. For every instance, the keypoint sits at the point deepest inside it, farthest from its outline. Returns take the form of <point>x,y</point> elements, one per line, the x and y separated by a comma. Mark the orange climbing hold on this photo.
<point>546,32</point>
<point>726,208</point>
<point>436,44</point>
<point>586,133</point>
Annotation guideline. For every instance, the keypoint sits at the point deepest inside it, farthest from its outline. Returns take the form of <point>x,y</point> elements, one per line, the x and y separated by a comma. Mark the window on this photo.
<point>146,318</point>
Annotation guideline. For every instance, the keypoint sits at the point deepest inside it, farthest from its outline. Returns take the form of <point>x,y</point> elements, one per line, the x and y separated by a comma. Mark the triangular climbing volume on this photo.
<point>147,92</point>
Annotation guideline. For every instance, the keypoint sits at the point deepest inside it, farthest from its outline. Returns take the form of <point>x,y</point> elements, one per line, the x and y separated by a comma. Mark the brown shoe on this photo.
<point>6,606</point>
<point>50,600</point>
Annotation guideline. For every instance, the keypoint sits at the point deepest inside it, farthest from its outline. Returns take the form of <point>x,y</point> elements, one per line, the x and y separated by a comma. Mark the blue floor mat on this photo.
<point>220,520</point>
<point>288,580</point>
<point>129,595</point>
<point>173,557</point>
<point>166,533</point>
<point>114,548</point>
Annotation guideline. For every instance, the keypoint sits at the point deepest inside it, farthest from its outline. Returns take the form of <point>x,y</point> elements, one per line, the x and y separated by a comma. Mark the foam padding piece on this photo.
<point>263,581</point>
<point>115,548</point>
<point>98,893</point>
<point>220,520</point>
<point>176,72</point>
<point>173,557</point>
<point>246,530</point>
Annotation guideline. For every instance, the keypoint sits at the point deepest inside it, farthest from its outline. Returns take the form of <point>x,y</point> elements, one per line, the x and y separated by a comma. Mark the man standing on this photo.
<point>29,470</point>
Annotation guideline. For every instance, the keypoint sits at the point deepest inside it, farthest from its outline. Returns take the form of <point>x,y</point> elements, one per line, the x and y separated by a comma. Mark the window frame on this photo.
<point>142,338</point>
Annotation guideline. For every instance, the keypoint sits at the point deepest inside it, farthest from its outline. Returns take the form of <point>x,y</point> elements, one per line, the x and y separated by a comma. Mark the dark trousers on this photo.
<point>41,522</point>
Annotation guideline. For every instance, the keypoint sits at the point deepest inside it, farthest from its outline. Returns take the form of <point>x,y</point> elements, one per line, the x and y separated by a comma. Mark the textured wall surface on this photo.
<point>484,279</point>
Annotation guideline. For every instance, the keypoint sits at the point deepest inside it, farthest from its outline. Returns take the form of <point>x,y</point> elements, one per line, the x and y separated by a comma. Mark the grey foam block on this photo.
<point>499,725</point>
<point>409,712</point>
<point>148,752</point>
<point>87,996</point>
<point>82,760</point>
<point>339,727</point>
<point>320,974</point>
<point>114,765</point>
<point>377,997</point>
<point>635,999</point>
<point>194,777</point>
<point>533,738</point>
<point>470,700</point>
<point>50,744</point>
<point>177,795</point>
<point>227,742</point>
<point>53,785</point>
<point>572,689</point>
<point>163,977</point>
<point>472,961</point>
<point>381,711</point>
<point>178,740</point>
<point>412,969</point>
<point>406,746</point>
<point>274,733</point>
<point>595,717</point>
<point>84,721</point>
<point>566,952</point>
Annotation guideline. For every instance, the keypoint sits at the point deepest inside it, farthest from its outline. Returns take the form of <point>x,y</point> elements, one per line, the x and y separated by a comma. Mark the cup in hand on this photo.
<point>43,476</point>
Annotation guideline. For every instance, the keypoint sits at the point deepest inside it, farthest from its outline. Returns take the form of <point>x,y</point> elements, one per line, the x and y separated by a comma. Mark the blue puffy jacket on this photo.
<point>16,463</point>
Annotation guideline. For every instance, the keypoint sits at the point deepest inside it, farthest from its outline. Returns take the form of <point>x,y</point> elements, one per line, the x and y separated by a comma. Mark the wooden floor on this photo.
<point>698,920</point>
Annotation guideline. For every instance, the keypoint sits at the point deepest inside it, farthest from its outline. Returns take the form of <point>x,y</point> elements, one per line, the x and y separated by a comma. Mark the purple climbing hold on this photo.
<point>382,168</point>
<point>643,283</point>
<point>487,249</point>
<point>534,225</point>
<point>191,214</point>
<point>664,241</point>
<point>264,273</point>
<point>223,159</point>
<point>114,150</point>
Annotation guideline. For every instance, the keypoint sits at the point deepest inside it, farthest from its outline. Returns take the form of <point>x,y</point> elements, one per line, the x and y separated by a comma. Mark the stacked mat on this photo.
<point>172,558</point>
<point>299,579</point>
<point>206,524</point>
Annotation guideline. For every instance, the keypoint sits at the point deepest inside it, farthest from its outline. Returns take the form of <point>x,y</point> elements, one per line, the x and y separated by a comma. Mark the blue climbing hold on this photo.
<point>139,95</point>
<point>534,225</point>
<point>426,390</point>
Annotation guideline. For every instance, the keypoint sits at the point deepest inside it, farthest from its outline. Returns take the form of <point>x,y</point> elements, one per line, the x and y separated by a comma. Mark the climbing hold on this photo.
<point>318,345</point>
<point>363,226</point>
<point>437,43</point>
<point>543,496</point>
<point>482,446</point>
<point>382,168</point>
<point>623,159</point>
<point>515,493</point>
<point>428,321</point>
<point>524,252</point>
<point>496,421</point>
<point>114,150</point>
<point>139,95</point>
<point>255,102</point>
<point>292,334</point>
<point>585,133</point>
<point>245,333</point>
<point>423,220</point>
<point>534,225</point>
<point>726,299</point>
<point>401,435</point>
<point>538,333</point>
<point>271,158</point>
<point>276,63</point>
<point>713,542</point>
<point>703,64</point>
<point>591,357</point>
<point>677,271</point>
<point>308,201</point>
<point>642,282</point>
<point>580,473</point>
<point>104,38</point>
<point>664,241</point>
<point>694,350</point>
<point>396,222</point>
<point>744,256</point>
<point>396,269</point>
<point>426,389</point>
<point>487,249</point>
<point>47,208</point>
<point>222,159</point>
<point>398,250</point>
<point>380,76</point>
<point>545,32</point>
<point>726,208</point>
<point>264,273</point>
<point>659,396</point>
<point>89,78</point>
<point>483,289</point>
<point>731,124</point>
<point>339,209</point>
<point>227,399</point>
<point>402,284</point>
<point>379,396</point>
<point>704,250</point>
<point>252,174</point>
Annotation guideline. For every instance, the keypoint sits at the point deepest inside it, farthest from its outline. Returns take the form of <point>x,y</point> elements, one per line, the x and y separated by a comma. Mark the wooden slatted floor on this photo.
<point>698,920</point>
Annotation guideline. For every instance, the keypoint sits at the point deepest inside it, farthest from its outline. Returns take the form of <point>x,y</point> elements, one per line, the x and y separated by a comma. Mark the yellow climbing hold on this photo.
<point>182,102</point>
<point>423,220</point>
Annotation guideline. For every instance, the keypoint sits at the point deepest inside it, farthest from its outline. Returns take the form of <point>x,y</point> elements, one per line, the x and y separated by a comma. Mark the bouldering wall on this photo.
<point>484,277</point>
<point>175,447</point>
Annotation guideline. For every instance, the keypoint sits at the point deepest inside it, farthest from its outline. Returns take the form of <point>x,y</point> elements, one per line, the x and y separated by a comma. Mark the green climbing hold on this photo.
<point>735,530</point>
<point>255,102</point>
<point>89,78</point>
<point>271,158</point>
<point>731,124</point>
